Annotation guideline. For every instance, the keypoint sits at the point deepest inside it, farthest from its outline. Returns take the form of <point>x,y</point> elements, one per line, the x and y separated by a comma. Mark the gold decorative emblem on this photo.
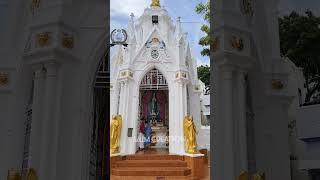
<point>237,43</point>
<point>32,174</point>
<point>131,74</point>
<point>277,84</point>
<point>215,44</point>
<point>123,73</point>
<point>4,79</point>
<point>13,174</point>
<point>184,75</point>
<point>43,39</point>
<point>67,41</point>
<point>34,5</point>
<point>248,7</point>
<point>155,3</point>
<point>155,41</point>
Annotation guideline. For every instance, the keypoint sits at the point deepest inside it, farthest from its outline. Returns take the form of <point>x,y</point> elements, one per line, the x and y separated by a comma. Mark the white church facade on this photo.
<point>156,63</point>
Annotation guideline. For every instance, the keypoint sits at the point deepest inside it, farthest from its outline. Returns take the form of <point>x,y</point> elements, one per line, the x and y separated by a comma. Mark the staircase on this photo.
<point>151,167</point>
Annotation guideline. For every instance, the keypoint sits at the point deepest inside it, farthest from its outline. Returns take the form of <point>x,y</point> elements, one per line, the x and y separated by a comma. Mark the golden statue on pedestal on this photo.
<point>244,176</point>
<point>13,174</point>
<point>115,132</point>
<point>190,142</point>
<point>31,175</point>
<point>155,3</point>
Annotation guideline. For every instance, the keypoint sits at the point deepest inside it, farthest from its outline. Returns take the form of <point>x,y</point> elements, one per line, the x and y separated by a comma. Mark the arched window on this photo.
<point>154,80</point>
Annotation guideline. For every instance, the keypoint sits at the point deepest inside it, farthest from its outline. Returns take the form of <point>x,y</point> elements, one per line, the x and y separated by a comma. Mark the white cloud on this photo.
<point>203,62</point>
<point>126,7</point>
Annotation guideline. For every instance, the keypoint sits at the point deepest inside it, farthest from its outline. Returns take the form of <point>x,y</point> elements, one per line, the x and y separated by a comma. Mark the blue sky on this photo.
<point>121,9</point>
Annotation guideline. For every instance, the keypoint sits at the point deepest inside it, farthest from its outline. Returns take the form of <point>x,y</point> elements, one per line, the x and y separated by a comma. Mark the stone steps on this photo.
<point>154,157</point>
<point>151,163</point>
<point>151,171</point>
<point>156,166</point>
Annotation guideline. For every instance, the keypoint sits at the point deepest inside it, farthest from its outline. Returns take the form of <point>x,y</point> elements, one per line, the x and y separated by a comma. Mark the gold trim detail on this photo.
<point>155,3</point>
<point>43,39</point>
<point>4,79</point>
<point>67,41</point>
<point>184,75</point>
<point>277,84</point>
<point>215,44</point>
<point>237,43</point>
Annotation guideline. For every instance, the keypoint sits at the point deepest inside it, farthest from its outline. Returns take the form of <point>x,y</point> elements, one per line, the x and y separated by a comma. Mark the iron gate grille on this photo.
<point>154,80</point>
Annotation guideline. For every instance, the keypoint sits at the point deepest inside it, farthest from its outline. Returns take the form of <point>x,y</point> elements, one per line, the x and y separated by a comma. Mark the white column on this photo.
<point>227,117</point>
<point>242,123</point>
<point>122,103</point>
<point>172,116</point>
<point>179,112</point>
<point>114,99</point>
<point>50,124</point>
<point>37,108</point>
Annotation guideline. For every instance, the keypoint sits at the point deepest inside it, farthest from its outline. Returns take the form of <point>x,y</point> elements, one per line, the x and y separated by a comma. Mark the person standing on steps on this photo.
<point>141,138</point>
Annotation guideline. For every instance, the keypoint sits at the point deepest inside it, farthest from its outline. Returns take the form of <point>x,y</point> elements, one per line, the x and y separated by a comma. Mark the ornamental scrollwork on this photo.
<point>248,7</point>
<point>35,4</point>
<point>237,43</point>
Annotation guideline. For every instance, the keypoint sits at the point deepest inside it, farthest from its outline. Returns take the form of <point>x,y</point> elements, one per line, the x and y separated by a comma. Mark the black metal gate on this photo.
<point>99,151</point>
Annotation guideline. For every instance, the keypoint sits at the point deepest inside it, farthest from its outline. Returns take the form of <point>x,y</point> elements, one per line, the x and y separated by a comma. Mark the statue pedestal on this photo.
<point>159,137</point>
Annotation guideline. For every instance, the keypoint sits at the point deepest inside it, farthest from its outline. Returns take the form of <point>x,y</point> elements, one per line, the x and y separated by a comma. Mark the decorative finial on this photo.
<point>132,16</point>
<point>155,3</point>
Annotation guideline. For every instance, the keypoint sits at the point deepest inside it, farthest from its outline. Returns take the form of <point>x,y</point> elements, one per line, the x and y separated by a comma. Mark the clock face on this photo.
<point>119,36</point>
<point>154,54</point>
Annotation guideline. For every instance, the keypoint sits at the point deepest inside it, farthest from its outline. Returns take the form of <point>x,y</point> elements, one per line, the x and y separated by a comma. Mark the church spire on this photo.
<point>155,3</point>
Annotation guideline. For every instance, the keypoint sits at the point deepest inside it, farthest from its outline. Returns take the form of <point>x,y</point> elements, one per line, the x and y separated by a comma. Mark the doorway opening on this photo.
<point>99,148</point>
<point>154,109</point>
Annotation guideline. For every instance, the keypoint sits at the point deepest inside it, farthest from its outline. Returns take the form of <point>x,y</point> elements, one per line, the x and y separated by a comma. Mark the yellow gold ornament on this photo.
<point>155,3</point>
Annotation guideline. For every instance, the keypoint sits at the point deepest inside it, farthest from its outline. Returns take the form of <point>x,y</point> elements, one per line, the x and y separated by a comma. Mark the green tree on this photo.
<point>204,74</point>
<point>204,9</point>
<point>300,42</point>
